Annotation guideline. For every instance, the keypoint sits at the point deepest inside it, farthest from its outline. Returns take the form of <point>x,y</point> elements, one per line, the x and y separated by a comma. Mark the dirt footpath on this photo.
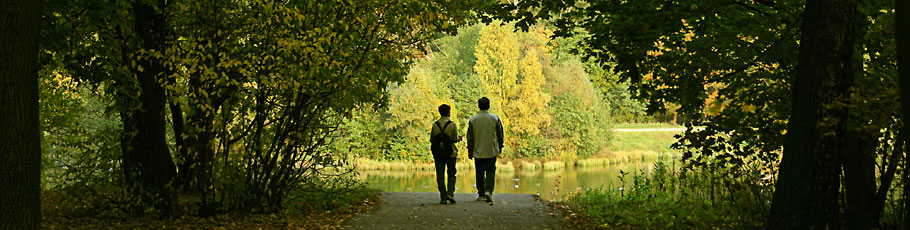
<point>421,210</point>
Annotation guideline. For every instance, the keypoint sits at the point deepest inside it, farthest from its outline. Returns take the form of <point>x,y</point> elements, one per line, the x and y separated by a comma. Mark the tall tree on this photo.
<point>901,9</point>
<point>111,44</point>
<point>527,102</point>
<point>497,54</point>
<point>807,192</point>
<point>497,63</point>
<point>20,151</point>
<point>147,161</point>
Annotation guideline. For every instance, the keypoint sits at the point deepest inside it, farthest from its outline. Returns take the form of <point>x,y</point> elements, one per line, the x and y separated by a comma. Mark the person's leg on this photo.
<point>479,173</point>
<point>450,164</point>
<point>490,175</point>
<point>440,178</point>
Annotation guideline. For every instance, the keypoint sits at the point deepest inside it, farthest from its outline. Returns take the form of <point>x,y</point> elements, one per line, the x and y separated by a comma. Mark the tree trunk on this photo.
<point>859,178</point>
<point>201,149</point>
<point>901,9</point>
<point>887,177</point>
<point>184,160</point>
<point>20,149</point>
<point>859,150</point>
<point>147,163</point>
<point>807,193</point>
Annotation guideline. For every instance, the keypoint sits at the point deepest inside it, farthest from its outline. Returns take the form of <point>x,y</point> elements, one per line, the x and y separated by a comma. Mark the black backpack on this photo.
<point>441,144</point>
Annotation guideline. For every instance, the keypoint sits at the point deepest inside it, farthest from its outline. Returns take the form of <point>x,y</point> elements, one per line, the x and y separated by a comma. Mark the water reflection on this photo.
<point>551,185</point>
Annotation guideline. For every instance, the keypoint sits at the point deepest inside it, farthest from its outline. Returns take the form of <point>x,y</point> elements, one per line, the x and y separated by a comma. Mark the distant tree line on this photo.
<point>553,105</point>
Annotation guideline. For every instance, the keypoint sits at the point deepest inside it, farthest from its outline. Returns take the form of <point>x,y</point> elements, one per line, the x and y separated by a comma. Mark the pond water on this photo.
<point>550,185</point>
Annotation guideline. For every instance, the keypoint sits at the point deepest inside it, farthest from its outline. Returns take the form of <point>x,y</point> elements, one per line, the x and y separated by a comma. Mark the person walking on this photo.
<point>443,136</point>
<point>485,142</point>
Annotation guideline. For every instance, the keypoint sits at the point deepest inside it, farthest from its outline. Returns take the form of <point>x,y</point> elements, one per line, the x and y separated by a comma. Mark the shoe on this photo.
<point>489,197</point>
<point>442,202</point>
<point>451,199</point>
<point>481,198</point>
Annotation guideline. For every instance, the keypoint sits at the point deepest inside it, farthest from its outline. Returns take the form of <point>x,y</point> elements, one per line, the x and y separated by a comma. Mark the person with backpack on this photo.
<point>485,142</point>
<point>443,136</point>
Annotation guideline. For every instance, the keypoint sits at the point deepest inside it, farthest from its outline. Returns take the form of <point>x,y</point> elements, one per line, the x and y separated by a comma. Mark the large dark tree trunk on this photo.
<point>901,8</point>
<point>20,149</point>
<point>147,162</point>
<point>859,178</point>
<point>859,149</point>
<point>807,193</point>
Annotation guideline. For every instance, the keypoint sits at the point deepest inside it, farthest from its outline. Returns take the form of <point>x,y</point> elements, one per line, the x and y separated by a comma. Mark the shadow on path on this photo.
<point>421,210</point>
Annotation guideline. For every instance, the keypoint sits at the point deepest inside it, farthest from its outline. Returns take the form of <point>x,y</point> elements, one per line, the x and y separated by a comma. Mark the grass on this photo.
<point>530,165</point>
<point>634,146</point>
<point>599,161</point>
<point>646,126</point>
<point>553,165</point>
<point>367,164</point>
<point>658,142</point>
<point>504,167</point>
<point>667,198</point>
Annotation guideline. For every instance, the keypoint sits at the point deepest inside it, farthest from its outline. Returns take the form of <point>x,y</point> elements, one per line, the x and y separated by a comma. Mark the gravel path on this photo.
<point>421,210</point>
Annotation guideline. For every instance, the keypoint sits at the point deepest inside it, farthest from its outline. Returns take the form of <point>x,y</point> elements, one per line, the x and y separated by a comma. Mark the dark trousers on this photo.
<point>441,165</point>
<point>486,174</point>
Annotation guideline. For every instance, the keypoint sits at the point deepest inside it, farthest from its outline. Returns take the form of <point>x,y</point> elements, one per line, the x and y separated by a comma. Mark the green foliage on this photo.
<point>454,59</point>
<point>670,198</point>
<point>688,55</point>
<point>549,106</point>
<point>260,86</point>
<point>305,72</point>
<point>365,124</point>
<point>497,53</point>
<point>728,67</point>
<point>412,108</point>
<point>580,117</point>
<point>80,146</point>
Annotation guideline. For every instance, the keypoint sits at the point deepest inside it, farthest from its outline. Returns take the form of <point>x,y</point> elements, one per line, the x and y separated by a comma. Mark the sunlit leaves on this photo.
<point>517,69</point>
<point>412,107</point>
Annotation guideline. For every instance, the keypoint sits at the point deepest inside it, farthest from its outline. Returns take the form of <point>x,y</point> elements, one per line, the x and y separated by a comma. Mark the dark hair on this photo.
<point>483,103</point>
<point>444,110</point>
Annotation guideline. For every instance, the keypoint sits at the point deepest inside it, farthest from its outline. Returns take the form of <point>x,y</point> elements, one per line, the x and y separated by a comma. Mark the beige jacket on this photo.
<point>485,138</point>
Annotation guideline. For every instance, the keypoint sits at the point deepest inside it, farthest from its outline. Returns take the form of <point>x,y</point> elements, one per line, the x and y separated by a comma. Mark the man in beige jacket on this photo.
<point>485,142</point>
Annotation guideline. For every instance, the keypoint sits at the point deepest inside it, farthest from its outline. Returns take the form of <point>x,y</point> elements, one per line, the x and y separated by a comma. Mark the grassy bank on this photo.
<point>367,164</point>
<point>645,126</point>
<point>657,142</point>
<point>636,146</point>
<point>626,147</point>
